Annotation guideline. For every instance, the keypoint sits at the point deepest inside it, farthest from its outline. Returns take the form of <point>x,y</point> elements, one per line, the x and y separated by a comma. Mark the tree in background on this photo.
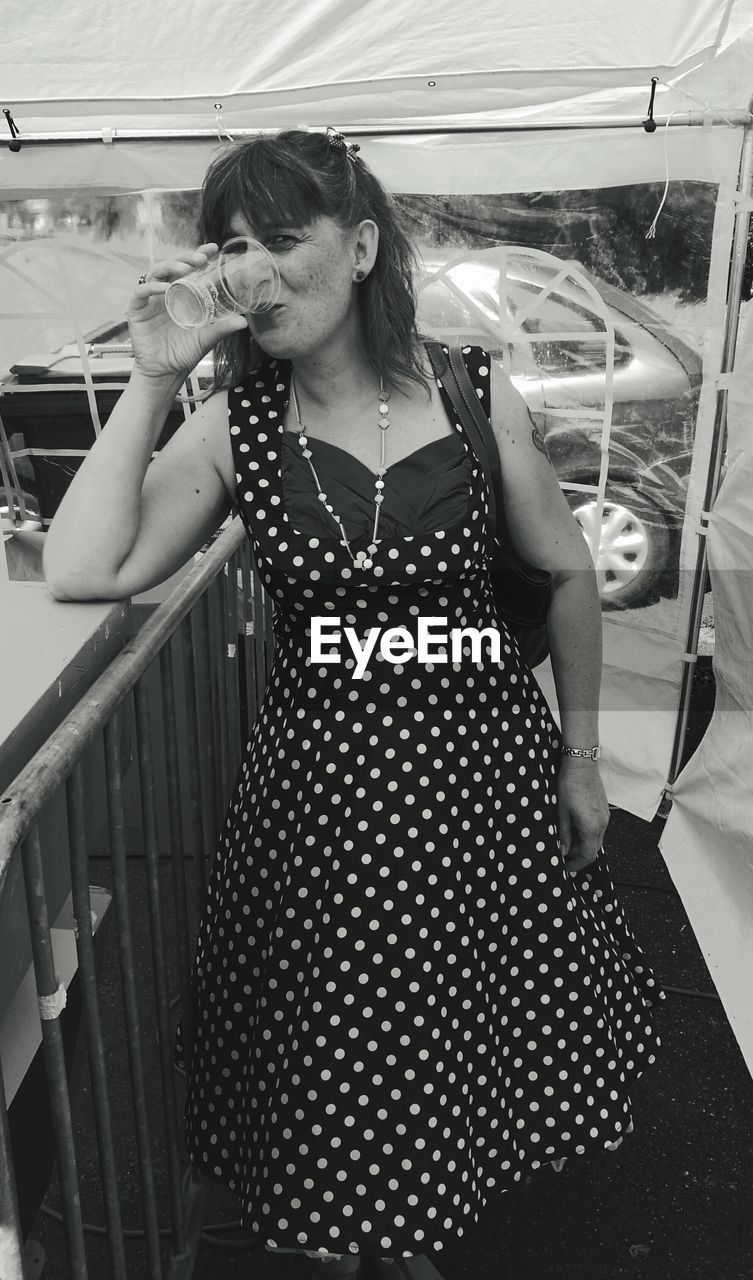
<point>603,230</point>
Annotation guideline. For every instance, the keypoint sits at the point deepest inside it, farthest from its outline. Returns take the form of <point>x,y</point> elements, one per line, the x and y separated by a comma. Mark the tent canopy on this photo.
<point>141,65</point>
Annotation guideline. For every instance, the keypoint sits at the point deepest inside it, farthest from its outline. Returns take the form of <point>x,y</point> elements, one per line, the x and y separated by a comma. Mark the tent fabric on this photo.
<point>446,164</point>
<point>146,64</point>
<point>706,841</point>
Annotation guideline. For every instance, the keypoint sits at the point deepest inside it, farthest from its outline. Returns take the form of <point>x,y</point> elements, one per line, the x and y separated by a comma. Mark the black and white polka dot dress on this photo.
<point>403,1003</point>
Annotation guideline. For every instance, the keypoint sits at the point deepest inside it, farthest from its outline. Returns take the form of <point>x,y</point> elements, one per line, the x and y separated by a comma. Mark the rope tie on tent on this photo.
<point>649,124</point>
<point>15,143</point>
<point>651,233</point>
<point>219,126</point>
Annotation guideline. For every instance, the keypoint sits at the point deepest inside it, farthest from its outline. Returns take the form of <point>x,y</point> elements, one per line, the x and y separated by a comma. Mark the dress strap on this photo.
<point>256,411</point>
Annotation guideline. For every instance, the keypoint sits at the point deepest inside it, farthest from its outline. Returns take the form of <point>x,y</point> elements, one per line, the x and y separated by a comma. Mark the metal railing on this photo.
<point>214,627</point>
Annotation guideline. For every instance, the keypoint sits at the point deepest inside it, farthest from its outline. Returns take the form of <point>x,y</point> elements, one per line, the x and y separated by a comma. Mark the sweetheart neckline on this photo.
<point>359,463</point>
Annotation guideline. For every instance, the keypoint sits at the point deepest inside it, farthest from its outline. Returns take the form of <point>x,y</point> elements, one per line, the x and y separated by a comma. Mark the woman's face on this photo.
<point>317,302</point>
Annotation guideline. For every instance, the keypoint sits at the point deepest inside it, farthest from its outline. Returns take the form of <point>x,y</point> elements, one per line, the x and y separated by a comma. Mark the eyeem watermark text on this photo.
<point>396,644</point>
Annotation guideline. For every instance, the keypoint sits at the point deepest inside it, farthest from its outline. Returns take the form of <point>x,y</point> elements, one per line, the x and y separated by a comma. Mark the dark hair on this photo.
<point>291,178</point>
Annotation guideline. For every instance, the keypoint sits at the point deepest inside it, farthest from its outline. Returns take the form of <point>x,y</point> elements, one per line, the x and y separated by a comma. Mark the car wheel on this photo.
<point>634,547</point>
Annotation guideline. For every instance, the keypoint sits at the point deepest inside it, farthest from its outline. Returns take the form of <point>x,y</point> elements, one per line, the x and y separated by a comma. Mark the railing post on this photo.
<point>202,829</point>
<point>230,639</point>
<point>202,688</point>
<point>128,985</point>
<point>178,858</point>
<point>218,667</point>
<point>51,997</point>
<point>11,1241</point>
<point>97,1070</point>
<point>248,643</point>
<point>159,961</point>
<point>260,638</point>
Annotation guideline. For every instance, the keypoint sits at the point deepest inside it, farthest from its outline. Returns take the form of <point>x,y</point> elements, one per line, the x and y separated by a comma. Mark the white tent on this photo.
<point>491,97</point>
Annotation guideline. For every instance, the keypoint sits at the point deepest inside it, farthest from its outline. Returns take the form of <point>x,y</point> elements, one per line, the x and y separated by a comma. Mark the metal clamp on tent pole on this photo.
<point>742,200</point>
<point>665,803</point>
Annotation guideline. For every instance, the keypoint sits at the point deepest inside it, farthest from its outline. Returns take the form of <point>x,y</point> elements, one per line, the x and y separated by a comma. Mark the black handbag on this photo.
<point>522,592</point>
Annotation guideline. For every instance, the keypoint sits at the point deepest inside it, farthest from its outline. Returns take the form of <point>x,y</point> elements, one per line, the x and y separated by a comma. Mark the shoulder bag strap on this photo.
<point>457,383</point>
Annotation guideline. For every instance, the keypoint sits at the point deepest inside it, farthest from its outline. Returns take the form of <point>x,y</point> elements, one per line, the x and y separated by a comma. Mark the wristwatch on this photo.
<point>593,753</point>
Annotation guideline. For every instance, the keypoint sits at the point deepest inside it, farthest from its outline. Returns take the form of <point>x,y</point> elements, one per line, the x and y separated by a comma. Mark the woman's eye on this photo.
<point>282,241</point>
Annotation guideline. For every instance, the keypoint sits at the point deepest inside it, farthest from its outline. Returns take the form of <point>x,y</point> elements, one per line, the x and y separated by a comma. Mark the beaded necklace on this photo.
<point>362,559</point>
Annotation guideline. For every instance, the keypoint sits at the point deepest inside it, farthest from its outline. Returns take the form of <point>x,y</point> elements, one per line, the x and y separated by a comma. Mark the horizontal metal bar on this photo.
<point>74,388</point>
<point>686,119</point>
<point>27,794</point>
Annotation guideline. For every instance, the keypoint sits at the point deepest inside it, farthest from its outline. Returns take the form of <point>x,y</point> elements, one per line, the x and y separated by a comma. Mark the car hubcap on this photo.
<point>623,544</point>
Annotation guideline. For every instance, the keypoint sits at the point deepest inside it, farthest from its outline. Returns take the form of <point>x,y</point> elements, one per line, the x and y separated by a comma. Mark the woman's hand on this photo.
<point>583,811</point>
<point>162,348</point>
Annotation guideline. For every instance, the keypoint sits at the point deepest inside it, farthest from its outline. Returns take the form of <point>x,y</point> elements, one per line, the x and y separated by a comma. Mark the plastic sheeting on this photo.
<point>707,841</point>
<point>434,163</point>
<point>643,648</point>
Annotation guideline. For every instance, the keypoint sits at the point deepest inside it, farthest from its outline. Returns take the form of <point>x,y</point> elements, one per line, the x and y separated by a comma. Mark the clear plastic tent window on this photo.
<point>601,330</point>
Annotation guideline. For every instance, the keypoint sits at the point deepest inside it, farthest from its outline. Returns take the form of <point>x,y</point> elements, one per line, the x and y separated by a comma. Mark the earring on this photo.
<point>359,276</point>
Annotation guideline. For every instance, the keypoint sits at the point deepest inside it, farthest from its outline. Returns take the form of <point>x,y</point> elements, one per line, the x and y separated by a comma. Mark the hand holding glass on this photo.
<point>243,278</point>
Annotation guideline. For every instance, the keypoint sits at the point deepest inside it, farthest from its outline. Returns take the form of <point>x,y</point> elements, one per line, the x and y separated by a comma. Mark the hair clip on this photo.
<point>337,142</point>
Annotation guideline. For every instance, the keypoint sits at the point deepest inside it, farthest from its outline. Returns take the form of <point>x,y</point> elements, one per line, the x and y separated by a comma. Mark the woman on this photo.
<point>411,987</point>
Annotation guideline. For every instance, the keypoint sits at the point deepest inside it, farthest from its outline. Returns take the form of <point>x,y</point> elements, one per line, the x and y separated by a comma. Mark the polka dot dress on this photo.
<point>403,1003</point>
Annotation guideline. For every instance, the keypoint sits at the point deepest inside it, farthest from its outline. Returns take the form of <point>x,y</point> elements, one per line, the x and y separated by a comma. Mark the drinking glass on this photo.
<point>242,278</point>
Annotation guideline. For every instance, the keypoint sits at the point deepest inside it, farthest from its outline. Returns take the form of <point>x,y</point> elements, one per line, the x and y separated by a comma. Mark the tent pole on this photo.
<point>678,120</point>
<point>734,298</point>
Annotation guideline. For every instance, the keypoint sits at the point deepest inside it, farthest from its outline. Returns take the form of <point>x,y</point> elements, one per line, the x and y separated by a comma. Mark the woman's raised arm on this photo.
<point>128,521</point>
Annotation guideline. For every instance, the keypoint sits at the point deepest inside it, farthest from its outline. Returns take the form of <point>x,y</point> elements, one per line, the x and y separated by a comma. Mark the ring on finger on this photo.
<point>142,279</point>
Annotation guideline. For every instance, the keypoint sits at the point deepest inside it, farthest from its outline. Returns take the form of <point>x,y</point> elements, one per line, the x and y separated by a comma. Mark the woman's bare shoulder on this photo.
<point>210,419</point>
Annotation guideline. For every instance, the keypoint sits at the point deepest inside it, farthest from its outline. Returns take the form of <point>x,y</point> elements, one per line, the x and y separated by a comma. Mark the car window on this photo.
<point>452,309</point>
<point>462,300</point>
<point>554,319</point>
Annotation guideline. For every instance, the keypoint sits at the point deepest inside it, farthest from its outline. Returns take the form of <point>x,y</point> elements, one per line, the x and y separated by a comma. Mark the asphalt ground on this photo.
<point>673,1203</point>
